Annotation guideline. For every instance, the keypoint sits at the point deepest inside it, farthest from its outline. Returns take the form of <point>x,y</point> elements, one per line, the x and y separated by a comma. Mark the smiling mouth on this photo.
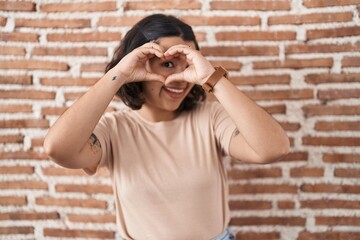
<point>175,90</point>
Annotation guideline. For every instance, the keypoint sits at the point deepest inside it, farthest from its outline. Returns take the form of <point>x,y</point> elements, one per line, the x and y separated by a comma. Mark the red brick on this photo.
<point>296,156</point>
<point>330,204</point>
<point>88,189</point>
<point>14,51</point>
<point>311,18</point>
<point>286,204</point>
<point>16,170</point>
<point>23,184</point>
<point>24,123</point>
<point>11,139</point>
<point>330,235</point>
<point>255,36</point>
<point>347,173</point>
<point>320,48</point>
<point>90,218</point>
<point>341,158</point>
<point>13,200</point>
<point>321,110</point>
<point>118,21</point>
<point>262,188</point>
<point>334,94</point>
<point>275,109</point>
<point>280,94</point>
<point>279,221</point>
<point>337,126</point>
<point>102,6</point>
<point>14,216</point>
<point>26,94</point>
<point>332,78</point>
<point>324,3</point>
<point>337,221</point>
<point>306,172</point>
<point>16,230</point>
<point>59,171</point>
<point>229,65</point>
<point>53,110</point>
<point>71,51</point>
<point>221,21</point>
<point>16,108</point>
<point>350,62</point>
<point>333,33</point>
<point>37,142</point>
<point>71,202</point>
<point>331,141</point>
<point>16,79</point>
<point>33,64</point>
<point>261,79</point>
<point>19,37</point>
<point>68,81</point>
<point>23,155</point>
<point>251,5</point>
<point>3,21</point>
<point>250,205</point>
<point>78,233</point>
<point>162,5</point>
<point>258,235</point>
<point>93,67</point>
<point>84,37</point>
<point>289,126</point>
<point>21,6</point>
<point>255,173</point>
<point>295,63</point>
<point>52,23</point>
<point>330,188</point>
<point>240,51</point>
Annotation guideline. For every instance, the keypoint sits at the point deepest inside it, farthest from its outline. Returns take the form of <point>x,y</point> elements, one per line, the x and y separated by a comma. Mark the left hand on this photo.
<point>199,68</point>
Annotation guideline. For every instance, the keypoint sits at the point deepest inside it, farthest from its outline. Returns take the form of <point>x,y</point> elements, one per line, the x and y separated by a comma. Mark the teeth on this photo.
<point>174,90</point>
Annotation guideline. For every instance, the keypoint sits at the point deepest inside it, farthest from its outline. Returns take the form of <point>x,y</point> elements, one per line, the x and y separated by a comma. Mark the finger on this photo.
<point>154,45</point>
<point>148,52</point>
<point>154,77</point>
<point>178,49</point>
<point>174,77</point>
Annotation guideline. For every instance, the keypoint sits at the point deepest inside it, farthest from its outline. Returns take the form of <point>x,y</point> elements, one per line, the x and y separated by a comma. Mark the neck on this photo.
<point>156,115</point>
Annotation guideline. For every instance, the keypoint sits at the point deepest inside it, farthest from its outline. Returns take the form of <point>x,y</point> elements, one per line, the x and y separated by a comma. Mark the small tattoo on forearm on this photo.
<point>113,78</point>
<point>94,143</point>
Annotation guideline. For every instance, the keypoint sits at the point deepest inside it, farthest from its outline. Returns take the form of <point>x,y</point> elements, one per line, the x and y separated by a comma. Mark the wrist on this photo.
<point>209,83</point>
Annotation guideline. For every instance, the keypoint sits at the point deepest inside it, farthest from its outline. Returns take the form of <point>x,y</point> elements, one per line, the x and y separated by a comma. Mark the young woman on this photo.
<point>165,151</point>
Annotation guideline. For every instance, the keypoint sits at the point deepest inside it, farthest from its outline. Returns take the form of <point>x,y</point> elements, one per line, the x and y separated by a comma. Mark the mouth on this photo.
<point>175,92</point>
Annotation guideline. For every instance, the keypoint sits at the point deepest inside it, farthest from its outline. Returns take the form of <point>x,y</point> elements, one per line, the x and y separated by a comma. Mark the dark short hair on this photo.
<point>148,29</point>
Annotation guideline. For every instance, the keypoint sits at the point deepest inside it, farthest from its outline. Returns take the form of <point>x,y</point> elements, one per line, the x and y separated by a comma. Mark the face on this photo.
<point>162,101</point>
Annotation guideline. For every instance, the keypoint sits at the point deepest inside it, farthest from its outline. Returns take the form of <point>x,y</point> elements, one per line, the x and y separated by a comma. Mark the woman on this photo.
<point>165,151</point>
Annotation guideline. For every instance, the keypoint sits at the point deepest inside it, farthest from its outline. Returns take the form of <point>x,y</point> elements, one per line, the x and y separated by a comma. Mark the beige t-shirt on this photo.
<point>168,178</point>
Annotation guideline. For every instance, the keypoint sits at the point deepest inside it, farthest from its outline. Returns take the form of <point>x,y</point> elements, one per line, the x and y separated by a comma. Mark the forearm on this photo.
<point>72,130</point>
<point>261,132</point>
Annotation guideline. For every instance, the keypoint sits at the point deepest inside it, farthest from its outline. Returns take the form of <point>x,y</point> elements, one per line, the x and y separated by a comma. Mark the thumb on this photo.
<point>154,77</point>
<point>174,77</point>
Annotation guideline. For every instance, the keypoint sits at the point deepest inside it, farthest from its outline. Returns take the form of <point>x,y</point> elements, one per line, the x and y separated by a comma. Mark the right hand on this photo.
<point>135,65</point>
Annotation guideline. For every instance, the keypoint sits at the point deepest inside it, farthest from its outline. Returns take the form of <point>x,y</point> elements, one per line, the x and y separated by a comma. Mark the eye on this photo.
<point>168,64</point>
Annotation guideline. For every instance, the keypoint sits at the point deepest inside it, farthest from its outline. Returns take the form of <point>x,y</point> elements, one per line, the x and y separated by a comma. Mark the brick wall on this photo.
<point>298,59</point>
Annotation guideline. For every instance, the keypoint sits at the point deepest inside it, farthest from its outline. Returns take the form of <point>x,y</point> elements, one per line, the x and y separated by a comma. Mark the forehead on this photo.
<point>167,42</point>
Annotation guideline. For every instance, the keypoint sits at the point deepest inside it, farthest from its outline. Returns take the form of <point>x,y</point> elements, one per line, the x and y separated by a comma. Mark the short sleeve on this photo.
<point>224,126</point>
<point>101,131</point>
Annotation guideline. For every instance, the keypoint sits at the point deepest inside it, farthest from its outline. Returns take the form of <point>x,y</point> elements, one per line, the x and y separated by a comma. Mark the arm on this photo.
<point>70,141</point>
<point>259,138</point>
